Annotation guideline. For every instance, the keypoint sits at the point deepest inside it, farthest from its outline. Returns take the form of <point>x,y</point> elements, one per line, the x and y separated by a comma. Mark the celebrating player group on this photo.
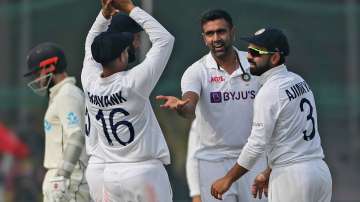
<point>254,135</point>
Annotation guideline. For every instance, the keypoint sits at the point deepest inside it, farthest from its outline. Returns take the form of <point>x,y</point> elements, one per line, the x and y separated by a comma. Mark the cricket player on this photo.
<point>96,165</point>
<point>117,102</point>
<point>65,158</point>
<point>219,90</point>
<point>284,126</point>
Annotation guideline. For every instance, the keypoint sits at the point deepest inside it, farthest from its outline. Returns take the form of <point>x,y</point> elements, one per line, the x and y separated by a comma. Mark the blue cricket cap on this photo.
<point>107,46</point>
<point>272,39</point>
<point>123,23</point>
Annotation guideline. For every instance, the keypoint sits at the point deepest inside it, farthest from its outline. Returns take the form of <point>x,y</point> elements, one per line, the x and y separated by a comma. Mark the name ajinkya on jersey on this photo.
<point>297,90</point>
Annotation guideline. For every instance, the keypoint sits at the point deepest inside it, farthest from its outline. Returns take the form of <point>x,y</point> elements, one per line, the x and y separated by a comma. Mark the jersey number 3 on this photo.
<point>308,117</point>
<point>113,126</point>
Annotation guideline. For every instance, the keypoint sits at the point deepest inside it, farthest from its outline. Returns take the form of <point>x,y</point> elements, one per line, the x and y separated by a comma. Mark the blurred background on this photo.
<point>325,47</point>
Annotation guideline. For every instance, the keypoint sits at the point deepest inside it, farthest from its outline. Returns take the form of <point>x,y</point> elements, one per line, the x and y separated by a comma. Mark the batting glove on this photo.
<point>60,189</point>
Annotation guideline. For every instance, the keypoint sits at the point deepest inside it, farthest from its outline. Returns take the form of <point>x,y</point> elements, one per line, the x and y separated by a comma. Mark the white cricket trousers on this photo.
<point>136,182</point>
<point>240,190</point>
<point>95,179</point>
<point>308,181</point>
<point>79,189</point>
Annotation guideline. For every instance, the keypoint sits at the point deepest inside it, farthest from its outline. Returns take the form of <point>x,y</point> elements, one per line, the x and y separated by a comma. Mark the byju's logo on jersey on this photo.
<point>73,120</point>
<point>218,97</point>
<point>47,126</point>
<point>217,79</point>
<point>215,97</point>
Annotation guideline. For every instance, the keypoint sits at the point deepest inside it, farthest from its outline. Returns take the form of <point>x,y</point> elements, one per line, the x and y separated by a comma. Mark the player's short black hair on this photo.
<point>215,14</point>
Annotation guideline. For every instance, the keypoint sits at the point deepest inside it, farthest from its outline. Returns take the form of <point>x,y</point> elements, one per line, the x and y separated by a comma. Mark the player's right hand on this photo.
<point>196,198</point>
<point>172,102</point>
<point>219,187</point>
<point>123,5</point>
<point>260,185</point>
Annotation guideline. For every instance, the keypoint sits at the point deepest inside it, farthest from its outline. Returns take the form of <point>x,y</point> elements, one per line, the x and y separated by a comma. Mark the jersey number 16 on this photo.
<point>113,126</point>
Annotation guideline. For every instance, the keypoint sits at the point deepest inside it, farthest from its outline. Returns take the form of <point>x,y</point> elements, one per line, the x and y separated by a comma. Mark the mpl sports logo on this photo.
<point>219,97</point>
<point>217,79</point>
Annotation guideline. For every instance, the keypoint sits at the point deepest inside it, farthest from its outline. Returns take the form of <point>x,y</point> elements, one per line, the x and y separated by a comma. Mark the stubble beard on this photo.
<point>258,70</point>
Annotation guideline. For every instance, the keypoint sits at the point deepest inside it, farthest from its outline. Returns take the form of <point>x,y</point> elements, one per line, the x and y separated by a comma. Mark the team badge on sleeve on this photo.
<point>73,120</point>
<point>47,126</point>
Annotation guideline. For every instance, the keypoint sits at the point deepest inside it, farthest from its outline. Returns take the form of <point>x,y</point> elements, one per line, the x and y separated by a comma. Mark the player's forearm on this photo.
<point>158,35</point>
<point>187,111</point>
<point>71,155</point>
<point>100,25</point>
<point>253,149</point>
<point>157,57</point>
<point>236,172</point>
<point>162,41</point>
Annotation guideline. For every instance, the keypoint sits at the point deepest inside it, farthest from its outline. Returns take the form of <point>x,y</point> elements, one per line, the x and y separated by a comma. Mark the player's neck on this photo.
<point>108,71</point>
<point>59,77</point>
<point>228,62</point>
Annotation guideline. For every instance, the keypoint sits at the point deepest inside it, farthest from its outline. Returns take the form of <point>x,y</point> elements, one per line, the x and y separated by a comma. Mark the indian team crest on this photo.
<point>260,31</point>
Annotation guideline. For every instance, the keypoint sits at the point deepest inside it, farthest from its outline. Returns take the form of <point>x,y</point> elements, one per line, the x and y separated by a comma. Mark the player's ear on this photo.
<point>124,56</point>
<point>275,58</point>
<point>233,33</point>
<point>204,38</point>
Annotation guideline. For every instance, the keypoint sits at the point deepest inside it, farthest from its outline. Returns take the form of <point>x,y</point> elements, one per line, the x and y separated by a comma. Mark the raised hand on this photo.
<point>123,5</point>
<point>107,9</point>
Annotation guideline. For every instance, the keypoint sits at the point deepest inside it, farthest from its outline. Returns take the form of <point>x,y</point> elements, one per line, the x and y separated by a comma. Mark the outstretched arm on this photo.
<point>185,107</point>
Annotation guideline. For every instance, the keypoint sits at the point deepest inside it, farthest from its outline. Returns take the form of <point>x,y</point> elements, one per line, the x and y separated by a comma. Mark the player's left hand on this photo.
<point>219,187</point>
<point>59,189</point>
<point>260,185</point>
<point>107,9</point>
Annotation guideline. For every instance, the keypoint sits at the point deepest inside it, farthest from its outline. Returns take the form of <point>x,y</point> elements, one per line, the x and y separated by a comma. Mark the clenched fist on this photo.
<point>123,5</point>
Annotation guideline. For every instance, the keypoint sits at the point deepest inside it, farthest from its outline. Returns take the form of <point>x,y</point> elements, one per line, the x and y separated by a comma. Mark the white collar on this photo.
<point>269,73</point>
<point>212,64</point>
<point>56,88</point>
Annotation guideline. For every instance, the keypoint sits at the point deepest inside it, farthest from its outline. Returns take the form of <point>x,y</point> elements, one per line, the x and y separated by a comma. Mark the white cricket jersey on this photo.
<point>91,141</point>
<point>224,113</point>
<point>119,105</point>
<point>285,121</point>
<point>64,117</point>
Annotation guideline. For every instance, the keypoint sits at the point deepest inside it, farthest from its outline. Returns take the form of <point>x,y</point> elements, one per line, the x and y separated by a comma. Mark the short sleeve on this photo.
<point>191,80</point>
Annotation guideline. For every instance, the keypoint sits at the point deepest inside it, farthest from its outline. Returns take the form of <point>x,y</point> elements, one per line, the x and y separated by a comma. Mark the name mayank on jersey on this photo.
<point>106,101</point>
